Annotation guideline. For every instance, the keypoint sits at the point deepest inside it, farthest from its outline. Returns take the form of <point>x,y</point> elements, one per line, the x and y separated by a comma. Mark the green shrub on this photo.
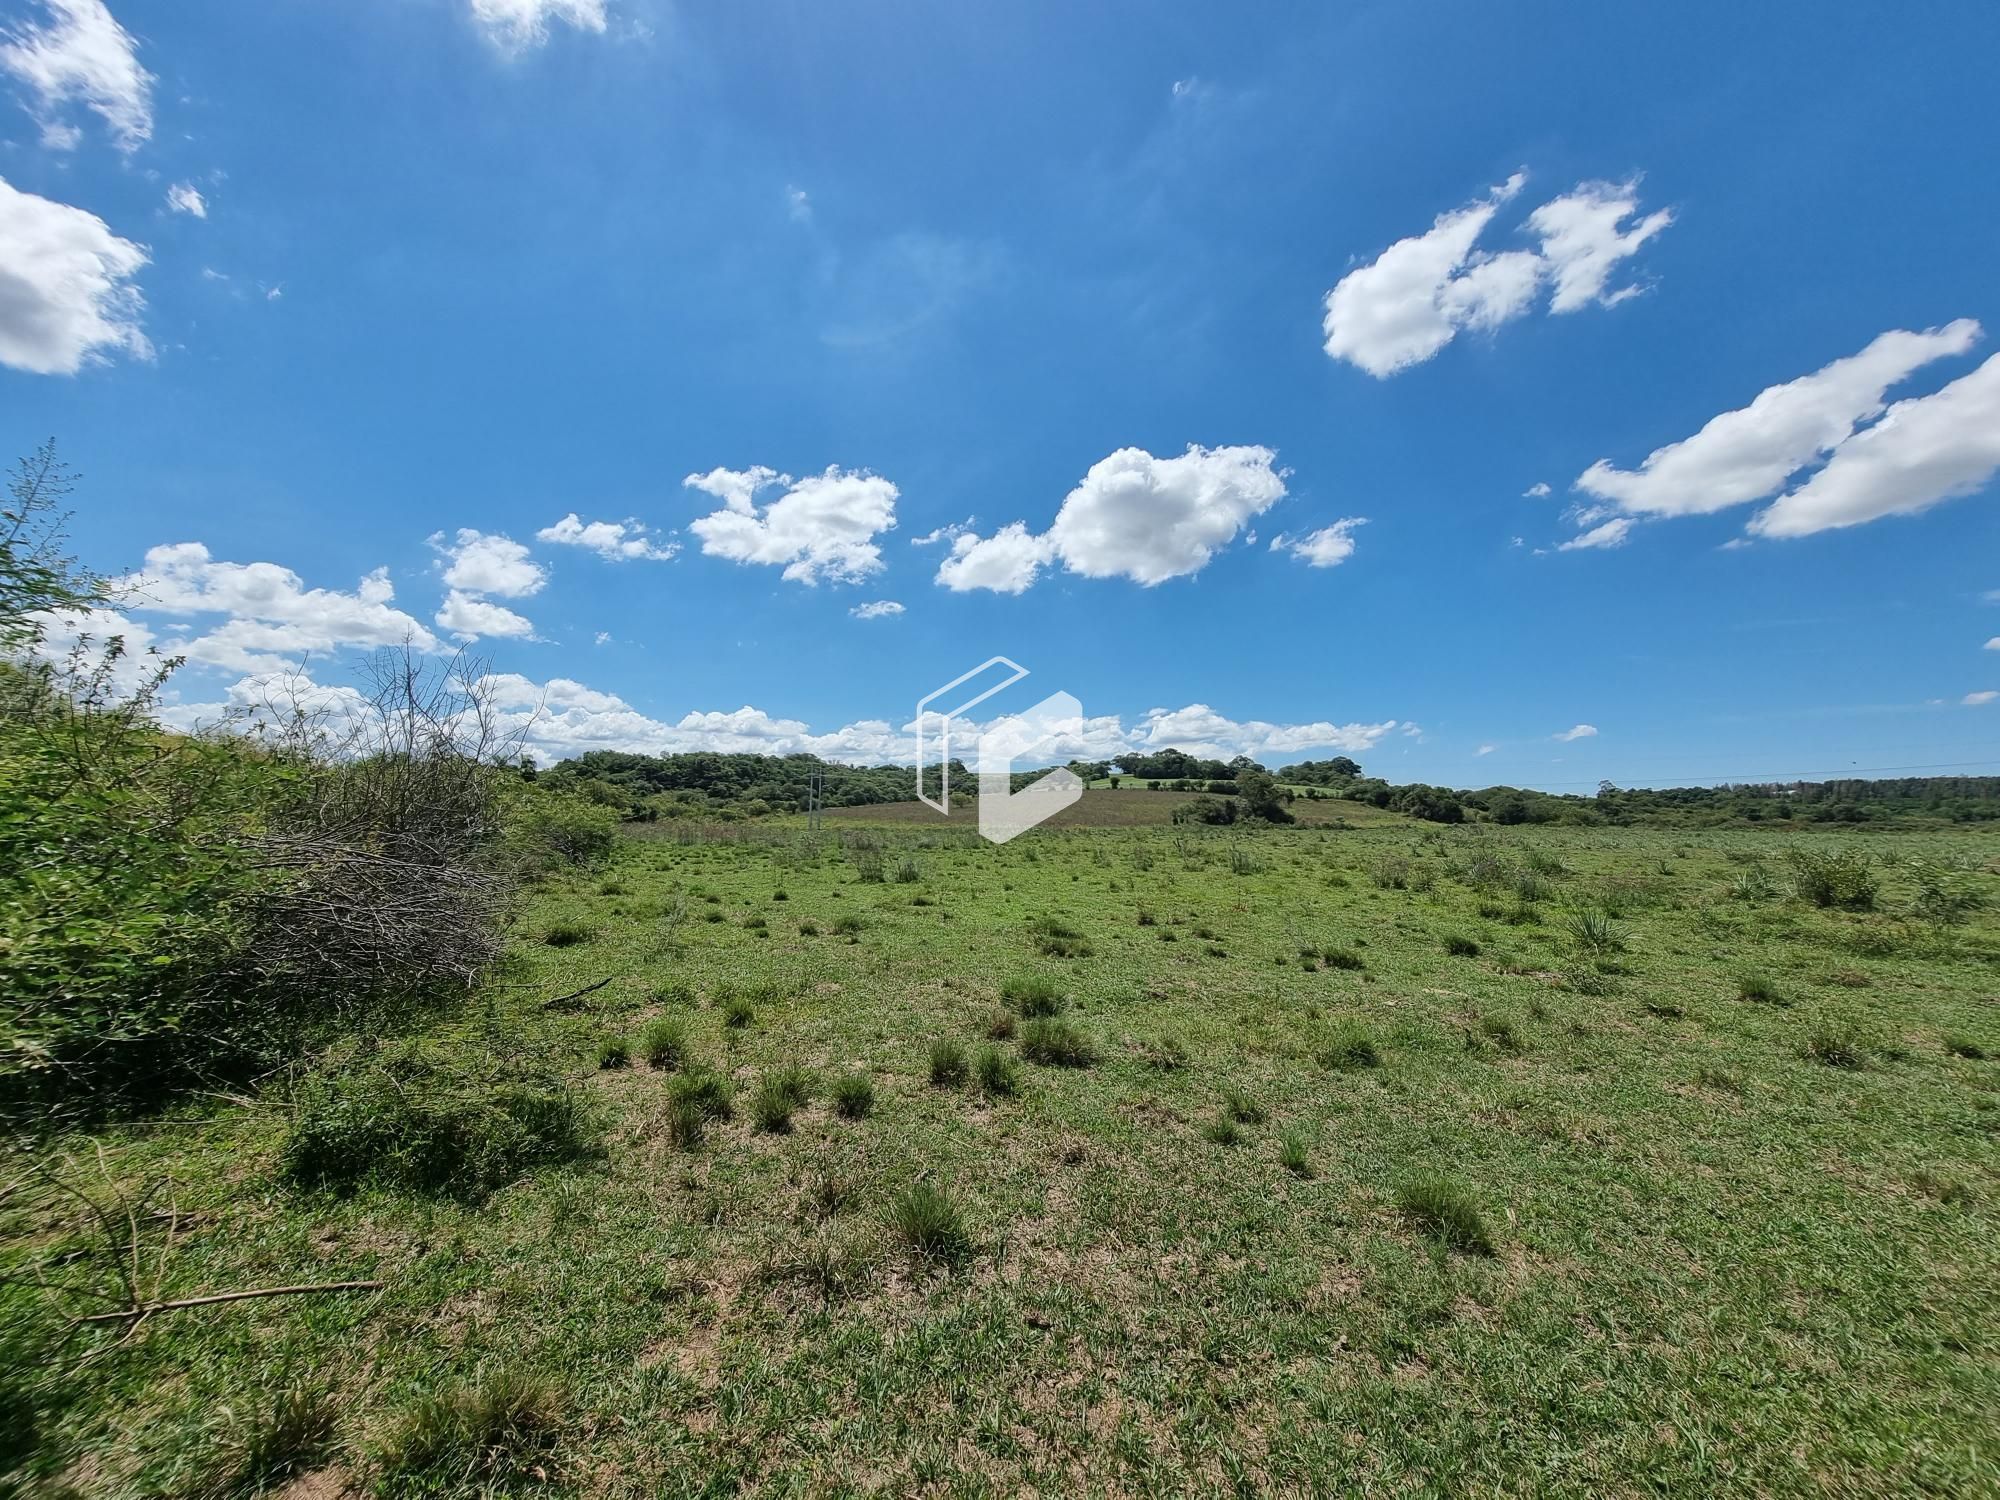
<point>848,924</point>
<point>1840,878</point>
<point>1341,958</point>
<point>663,1043</point>
<point>907,873</point>
<point>930,1224</point>
<point>1592,930</point>
<point>853,1096</point>
<point>411,1124</point>
<point>1055,1042</point>
<point>1446,1212</point>
<point>481,1435</point>
<point>551,829</point>
<point>948,1065</point>
<point>1000,1025</point>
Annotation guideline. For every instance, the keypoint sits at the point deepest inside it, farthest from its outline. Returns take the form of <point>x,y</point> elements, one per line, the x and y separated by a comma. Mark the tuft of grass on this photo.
<point>1348,1047</point>
<point>848,924</point>
<point>808,928</point>
<point>1446,1212</point>
<point>1000,1026</point>
<point>687,1122</point>
<point>1756,987</point>
<point>948,1065</point>
<point>568,934</point>
<point>1836,1049</point>
<point>907,873</point>
<point>1964,1046</point>
<point>613,1052</point>
<point>1034,995</point>
<point>1501,1033</point>
<point>707,1090</point>
<point>998,1074</point>
<point>1223,1130</point>
<point>1241,1107</point>
<point>288,1432</point>
<point>1458,945</point>
<point>1592,930</point>
<point>663,1043</point>
<point>478,1437</point>
<point>1055,1042</point>
<point>925,1218</point>
<point>737,1013</point>
<point>772,1106</point>
<point>1293,1155</point>
<point>853,1095</point>
<point>1166,1055</point>
<point>1334,957</point>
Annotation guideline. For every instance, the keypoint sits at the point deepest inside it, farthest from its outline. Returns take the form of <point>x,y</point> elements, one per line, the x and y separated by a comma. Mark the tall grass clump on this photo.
<point>948,1065</point>
<point>997,1073</point>
<point>1446,1212</point>
<point>476,1438</point>
<point>1592,930</point>
<point>1843,879</point>
<point>663,1043</point>
<point>1055,1042</point>
<point>1031,995</point>
<point>1349,1046</point>
<point>929,1223</point>
<point>853,1095</point>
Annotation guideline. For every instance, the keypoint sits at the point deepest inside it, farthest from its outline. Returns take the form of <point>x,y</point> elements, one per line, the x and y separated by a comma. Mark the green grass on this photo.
<point>1104,1282</point>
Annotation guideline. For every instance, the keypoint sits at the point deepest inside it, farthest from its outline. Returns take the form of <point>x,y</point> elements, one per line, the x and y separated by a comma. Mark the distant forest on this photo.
<point>643,788</point>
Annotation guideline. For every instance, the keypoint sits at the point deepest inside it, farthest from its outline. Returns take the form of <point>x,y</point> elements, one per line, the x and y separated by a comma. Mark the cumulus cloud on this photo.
<point>1611,533</point>
<point>1582,242</point>
<point>1579,732</point>
<point>614,541</point>
<point>468,617</point>
<point>823,526</point>
<point>1976,700</point>
<point>1994,644</point>
<point>1923,451</point>
<point>476,562</point>
<point>1133,516</point>
<point>1328,547</point>
<point>66,292</point>
<point>1537,491</point>
<point>518,24</point>
<point>1413,299</point>
<point>1748,454</point>
<point>80,55</point>
<point>877,610</point>
<point>185,198</point>
<point>563,718</point>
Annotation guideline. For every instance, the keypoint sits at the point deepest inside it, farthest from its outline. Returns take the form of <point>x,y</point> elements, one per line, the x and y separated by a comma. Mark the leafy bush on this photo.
<point>1838,878</point>
<point>550,829</point>
<point>1219,811</point>
<point>411,1123</point>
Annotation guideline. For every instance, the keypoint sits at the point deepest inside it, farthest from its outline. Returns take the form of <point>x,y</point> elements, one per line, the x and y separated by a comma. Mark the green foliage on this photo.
<point>1458,945</point>
<point>1348,1047</point>
<point>706,1092</point>
<point>613,1052</point>
<point>1218,811</point>
<point>1446,1212</point>
<point>409,1122</point>
<point>1836,1047</point>
<point>1840,878</point>
<point>549,829</point>
<point>1241,1107</point>
<point>569,934</point>
<point>1032,995</point>
<point>663,1042</point>
<point>1223,1129</point>
<point>997,1073</point>
<point>1294,1155</point>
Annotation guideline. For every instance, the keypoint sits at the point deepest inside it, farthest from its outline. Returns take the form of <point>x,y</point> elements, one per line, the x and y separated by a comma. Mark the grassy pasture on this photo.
<point>1378,1160</point>
<point>1101,807</point>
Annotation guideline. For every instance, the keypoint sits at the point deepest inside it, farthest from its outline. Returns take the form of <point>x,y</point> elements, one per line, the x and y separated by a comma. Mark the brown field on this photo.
<point>1103,808</point>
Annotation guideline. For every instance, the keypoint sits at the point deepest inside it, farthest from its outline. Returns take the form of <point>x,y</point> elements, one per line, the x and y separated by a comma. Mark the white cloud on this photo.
<point>468,617</point>
<point>603,638</point>
<point>1133,516</point>
<point>1536,491</point>
<point>798,204</point>
<point>823,526</point>
<point>185,198</point>
<point>879,609</point>
<point>80,54</point>
<point>1485,750</point>
<point>1580,732</point>
<point>1994,644</point>
<point>273,618</point>
<point>66,291</point>
<point>1414,298</point>
<point>1611,533</point>
<point>1328,547</point>
<point>614,541</point>
<point>950,532</point>
<point>477,562</point>
<point>1923,451</point>
<point>1976,700</point>
<point>1006,562</point>
<point>1749,453</point>
<point>516,24</point>
<point>1581,241</point>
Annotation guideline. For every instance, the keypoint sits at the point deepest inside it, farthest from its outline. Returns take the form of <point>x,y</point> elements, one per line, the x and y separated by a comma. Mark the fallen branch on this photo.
<point>148,1309</point>
<point>562,1000</point>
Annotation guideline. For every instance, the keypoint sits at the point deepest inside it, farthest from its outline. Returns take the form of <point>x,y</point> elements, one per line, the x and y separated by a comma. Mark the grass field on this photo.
<point>1126,807</point>
<point>1382,1160</point>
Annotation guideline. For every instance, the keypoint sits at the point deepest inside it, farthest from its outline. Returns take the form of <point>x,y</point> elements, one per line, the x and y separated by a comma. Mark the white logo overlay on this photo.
<point>1003,811</point>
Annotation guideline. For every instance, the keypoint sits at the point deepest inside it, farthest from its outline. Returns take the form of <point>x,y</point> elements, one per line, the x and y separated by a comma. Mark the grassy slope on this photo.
<point>1720,1266</point>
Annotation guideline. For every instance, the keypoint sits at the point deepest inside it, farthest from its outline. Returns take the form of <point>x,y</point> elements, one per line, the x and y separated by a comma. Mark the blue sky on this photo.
<point>342,308</point>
